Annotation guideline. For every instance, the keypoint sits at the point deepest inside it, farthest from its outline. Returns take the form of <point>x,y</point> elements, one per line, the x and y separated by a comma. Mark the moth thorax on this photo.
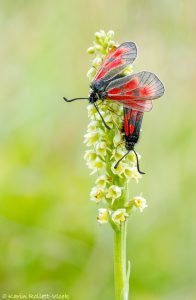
<point>98,86</point>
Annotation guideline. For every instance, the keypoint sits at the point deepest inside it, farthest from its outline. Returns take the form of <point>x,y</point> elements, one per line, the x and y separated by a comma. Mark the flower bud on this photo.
<point>98,48</point>
<point>97,61</point>
<point>110,34</point>
<point>91,73</point>
<point>111,44</point>
<point>91,50</point>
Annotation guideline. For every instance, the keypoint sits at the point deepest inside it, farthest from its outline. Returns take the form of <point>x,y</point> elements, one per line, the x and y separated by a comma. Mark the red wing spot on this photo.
<point>144,92</point>
<point>115,91</point>
<point>101,74</point>
<point>114,64</point>
<point>131,128</point>
<point>110,66</point>
<point>120,51</point>
<point>120,97</point>
<point>117,97</point>
<point>126,128</point>
<point>131,84</point>
<point>129,93</point>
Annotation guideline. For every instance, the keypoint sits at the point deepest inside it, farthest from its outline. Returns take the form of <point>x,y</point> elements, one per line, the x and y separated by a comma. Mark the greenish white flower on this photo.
<point>117,108</point>
<point>117,139</point>
<point>120,215</point>
<point>91,111</point>
<point>140,202</point>
<point>109,120</point>
<point>93,126</point>
<point>102,181</point>
<point>101,149</point>
<point>103,113</point>
<point>92,138</point>
<point>131,157</point>
<point>96,165</point>
<point>129,172</point>
<point>97,194</point>
<point>90,155</point>
<point>102,215</point>
<point>114,192</point>
<point>117,154</point>
<point>135,174</point>
<point>119,170</point>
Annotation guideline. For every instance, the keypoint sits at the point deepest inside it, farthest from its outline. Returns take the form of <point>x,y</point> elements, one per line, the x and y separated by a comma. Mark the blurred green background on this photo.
<point>50,241</point>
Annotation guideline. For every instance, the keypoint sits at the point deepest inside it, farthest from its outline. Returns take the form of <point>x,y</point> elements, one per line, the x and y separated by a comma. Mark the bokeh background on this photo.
<point>50,241</point>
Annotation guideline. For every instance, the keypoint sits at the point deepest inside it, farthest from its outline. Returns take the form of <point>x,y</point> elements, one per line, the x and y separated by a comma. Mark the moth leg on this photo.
<point>108,127</point>
<point>110,109</point>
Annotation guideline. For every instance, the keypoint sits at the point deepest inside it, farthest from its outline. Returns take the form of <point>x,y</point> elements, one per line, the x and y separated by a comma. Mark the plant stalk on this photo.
<point>120,273</point>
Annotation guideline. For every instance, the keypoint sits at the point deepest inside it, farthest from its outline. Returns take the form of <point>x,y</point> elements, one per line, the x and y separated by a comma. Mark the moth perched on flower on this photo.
<point>135,92</point>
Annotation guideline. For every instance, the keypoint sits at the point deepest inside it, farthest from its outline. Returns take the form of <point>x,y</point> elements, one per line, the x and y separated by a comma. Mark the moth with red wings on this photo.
<point>131,129</point>
<point>133,91</point>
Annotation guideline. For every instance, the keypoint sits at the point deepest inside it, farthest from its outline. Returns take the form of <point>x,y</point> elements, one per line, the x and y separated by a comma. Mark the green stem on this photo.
<point>120,274</point>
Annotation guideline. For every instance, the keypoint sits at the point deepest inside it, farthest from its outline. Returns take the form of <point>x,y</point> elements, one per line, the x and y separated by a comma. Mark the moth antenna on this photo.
<point>70,100</point>
<point>138,166</point>
<point>101,116</point>
<point>116,165</point>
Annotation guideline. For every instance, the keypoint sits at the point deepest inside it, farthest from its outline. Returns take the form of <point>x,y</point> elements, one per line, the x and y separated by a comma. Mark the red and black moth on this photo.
<point>131,129</point>
<point>135,92</point>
